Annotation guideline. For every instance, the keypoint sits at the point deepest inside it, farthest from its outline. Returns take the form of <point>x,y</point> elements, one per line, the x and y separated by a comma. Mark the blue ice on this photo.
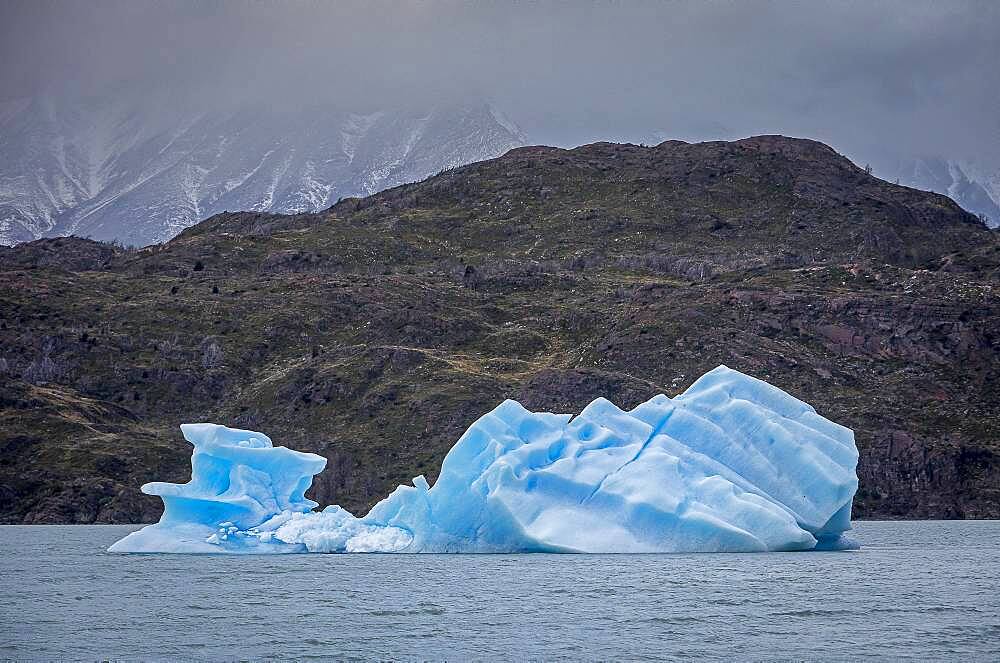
<point>733,464</point>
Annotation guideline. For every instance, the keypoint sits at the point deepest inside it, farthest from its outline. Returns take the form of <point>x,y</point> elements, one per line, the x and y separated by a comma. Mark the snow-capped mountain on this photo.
<point>135,173</point>
<point>971,184</point>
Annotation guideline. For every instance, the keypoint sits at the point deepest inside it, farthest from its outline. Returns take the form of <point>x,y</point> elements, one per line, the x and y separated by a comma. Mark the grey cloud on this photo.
<point>866,77</point>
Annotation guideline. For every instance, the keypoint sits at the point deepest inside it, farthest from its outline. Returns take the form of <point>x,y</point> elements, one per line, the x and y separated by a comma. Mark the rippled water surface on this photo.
<point>926,590</point>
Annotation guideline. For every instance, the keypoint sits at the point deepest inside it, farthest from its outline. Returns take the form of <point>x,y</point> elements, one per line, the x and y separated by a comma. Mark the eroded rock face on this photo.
<point>914,477</point>
<point>374,333</point>
<point>867,325</point>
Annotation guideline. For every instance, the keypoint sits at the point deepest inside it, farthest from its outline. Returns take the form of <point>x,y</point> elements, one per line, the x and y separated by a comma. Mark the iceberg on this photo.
<point>733,464</point>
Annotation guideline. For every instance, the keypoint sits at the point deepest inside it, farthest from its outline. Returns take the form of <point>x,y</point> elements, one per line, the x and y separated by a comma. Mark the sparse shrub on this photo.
<point>44,370</point>
<point>211,353</point>
<point>624,293</point>
<point>681,266</point>
<point>249,419</point>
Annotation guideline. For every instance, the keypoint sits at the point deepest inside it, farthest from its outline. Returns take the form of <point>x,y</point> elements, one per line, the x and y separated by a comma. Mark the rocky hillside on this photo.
<point>376,331</point>
<point>140,170</point>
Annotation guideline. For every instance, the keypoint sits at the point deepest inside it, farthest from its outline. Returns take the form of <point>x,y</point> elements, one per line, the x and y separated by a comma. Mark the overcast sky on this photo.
<point>907,76</point>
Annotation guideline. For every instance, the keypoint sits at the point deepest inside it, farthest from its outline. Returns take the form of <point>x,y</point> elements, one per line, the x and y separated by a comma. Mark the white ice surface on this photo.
<point>732,464</point>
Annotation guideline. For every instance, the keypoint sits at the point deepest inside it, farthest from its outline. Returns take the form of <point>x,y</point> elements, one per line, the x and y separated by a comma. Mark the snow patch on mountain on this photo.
<point>114,169</point>
<point>973,184</point>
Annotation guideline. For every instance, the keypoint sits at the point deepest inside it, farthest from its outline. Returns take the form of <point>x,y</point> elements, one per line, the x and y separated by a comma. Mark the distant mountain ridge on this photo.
<point>139,169</point>
<point>125,171</point>
<point>973,185</point>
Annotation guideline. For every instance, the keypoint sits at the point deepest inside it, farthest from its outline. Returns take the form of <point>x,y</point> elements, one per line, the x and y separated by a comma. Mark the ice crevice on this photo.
<point>732,464</point>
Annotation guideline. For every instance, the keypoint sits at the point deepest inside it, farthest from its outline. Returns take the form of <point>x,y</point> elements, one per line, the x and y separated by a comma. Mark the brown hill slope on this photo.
<point>376,332</point>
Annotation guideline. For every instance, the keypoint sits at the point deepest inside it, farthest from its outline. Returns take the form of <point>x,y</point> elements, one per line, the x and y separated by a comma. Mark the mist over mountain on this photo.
<point>125,167</point>
<point>160,113</point>
<point>119,168</point>
<point>973,185</point>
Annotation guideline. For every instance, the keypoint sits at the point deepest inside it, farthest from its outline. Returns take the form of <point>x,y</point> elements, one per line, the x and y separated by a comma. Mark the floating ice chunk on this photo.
<point>332,530</point>
<point>732,464</point>
<point>238,480</point>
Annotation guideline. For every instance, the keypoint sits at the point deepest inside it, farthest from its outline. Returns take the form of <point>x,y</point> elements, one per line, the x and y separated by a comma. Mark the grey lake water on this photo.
<point>916,590</point>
